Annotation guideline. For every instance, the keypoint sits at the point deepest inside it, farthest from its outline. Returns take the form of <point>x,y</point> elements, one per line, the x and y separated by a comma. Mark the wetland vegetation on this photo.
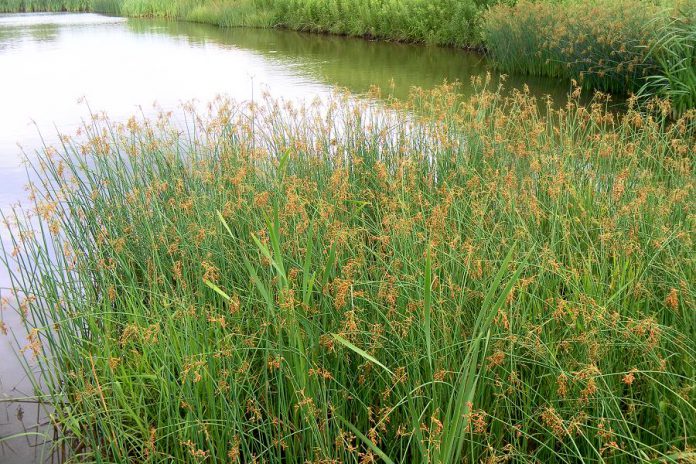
<point>272,283</point>
<point>437,278</point>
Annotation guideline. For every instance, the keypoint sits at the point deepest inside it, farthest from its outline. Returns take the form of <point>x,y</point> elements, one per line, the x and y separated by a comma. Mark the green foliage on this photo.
<point>159,8</point>
<point>444,22</point>
<point>10,6</point>
<point>438,281</point>
<point>674,51</point>
<point>109,7</point>
<point>602,43</point>
<point>618,46</point>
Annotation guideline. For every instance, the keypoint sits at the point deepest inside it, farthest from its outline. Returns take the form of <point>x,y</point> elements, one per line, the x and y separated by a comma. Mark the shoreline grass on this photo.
<point>674,53</point>
<point>437,281</point>
<point>626,46</point>
<point>36,6</point>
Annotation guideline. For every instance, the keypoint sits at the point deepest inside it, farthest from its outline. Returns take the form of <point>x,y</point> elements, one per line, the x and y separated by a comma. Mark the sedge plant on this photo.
<point>433,280</point>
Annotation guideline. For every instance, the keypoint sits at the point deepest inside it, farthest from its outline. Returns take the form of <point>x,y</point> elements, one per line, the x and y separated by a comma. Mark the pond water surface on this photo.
<point>50,61</point>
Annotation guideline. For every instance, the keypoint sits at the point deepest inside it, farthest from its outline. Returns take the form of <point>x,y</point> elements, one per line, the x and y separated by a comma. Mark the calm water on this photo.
<point>50,61</point>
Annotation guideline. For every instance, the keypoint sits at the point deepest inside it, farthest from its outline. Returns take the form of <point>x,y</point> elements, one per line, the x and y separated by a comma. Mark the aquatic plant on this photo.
<point>622,46</point>
<point>108,7</point>
<point>433,281</point>
<point>444,22</point>
<point>674,51</point>
<point>602,43</point>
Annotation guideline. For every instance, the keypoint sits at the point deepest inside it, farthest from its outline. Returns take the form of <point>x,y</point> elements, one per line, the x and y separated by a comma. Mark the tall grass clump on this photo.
<point>674,52</point>
<point>108,7</point>
<point>624,46</point>
<point>159,8</point>
<point>429,282</point>
<point>603,43</point>
<point>443,22</point>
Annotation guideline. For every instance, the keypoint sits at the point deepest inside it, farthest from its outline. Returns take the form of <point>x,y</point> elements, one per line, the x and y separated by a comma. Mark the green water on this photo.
<point>353,63</point>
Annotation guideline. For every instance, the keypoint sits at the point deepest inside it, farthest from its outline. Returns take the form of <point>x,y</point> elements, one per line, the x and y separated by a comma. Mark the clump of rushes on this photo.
<point>608,45</point>
<point>429,282</point>
<point>674,51</point>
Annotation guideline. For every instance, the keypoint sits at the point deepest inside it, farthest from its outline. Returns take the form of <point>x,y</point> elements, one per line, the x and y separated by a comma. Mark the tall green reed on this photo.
<point>602,43</point>
<point>443,22</point>
<point>674,51</point>
<point>628,46</point>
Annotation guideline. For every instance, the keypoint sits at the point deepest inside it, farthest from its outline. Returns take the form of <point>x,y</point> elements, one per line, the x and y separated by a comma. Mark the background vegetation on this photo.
<point>624,46</point>
<point>444,22</point>
<point>484,281</point>
<point>11,6</point>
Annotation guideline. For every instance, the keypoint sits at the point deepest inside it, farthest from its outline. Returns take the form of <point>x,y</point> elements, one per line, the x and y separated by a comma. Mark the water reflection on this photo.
<point>20,415</point>
<point>353,63</point>
<point>20,29</point>
<point>15,38</point>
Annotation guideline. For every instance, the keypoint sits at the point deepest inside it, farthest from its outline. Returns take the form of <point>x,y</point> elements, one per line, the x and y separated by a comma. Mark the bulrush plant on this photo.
<point>434,281</point>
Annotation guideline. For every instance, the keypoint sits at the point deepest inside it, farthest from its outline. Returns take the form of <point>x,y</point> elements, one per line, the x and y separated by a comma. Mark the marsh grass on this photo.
<point>436,281</point>
<point>625,46</point>
<point>12,6</point>
<point>602,43</point>
<point>674,51</point>
<point>442,22</point>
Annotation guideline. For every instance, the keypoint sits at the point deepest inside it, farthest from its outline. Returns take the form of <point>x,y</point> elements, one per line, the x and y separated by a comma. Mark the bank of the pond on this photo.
<point>54,6</point>
<point>347,283</point>
<point>624,46</point>
<point>442,22</point>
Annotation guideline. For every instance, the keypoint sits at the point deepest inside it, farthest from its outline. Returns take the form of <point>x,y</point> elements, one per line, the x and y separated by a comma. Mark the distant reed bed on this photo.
<point>443,22</point>
<point>12,6</point>
<point>618,46</point>
<point>435,281</point>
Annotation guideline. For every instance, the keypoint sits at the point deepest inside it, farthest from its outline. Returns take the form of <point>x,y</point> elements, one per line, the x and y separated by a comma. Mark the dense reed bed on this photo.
<point>624,46</point>
<point>443,22</point>
<point>14,6</point>
<point>341,282</point>
<point>673,52</point>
